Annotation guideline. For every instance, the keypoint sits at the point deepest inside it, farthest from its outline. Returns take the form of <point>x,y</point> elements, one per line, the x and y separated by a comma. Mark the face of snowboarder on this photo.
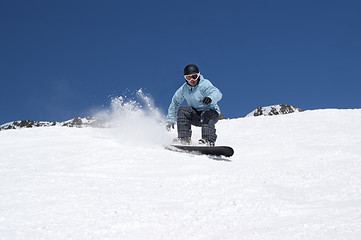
<point>192,79</point>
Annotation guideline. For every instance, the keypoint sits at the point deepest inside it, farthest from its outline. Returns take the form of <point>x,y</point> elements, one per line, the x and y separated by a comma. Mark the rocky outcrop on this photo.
<point>221,117</point>
<point>75,122</point>
<point>274,110</point>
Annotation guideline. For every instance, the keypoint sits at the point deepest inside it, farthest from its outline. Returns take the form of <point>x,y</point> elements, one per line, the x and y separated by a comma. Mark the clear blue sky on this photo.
<point>61,59</point>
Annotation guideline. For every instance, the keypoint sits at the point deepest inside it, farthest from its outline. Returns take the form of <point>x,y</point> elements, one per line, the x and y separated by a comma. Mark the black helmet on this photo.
<point>190,69</point>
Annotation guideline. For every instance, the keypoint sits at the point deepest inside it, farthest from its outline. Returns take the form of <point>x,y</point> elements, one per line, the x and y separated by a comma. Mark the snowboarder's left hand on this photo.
<point>169,126</point>
<point>206,101</point>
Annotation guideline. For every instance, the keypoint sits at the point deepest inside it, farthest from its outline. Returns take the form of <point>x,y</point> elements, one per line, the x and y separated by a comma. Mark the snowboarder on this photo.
<point>203,111</point>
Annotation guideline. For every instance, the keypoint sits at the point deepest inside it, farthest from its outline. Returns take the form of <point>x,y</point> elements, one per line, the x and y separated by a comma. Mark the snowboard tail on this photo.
<point>207,150</point>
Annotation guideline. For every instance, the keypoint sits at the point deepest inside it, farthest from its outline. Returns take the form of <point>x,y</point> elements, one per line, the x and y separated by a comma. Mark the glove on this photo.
<point>169,126</point>
<point>206,101</point>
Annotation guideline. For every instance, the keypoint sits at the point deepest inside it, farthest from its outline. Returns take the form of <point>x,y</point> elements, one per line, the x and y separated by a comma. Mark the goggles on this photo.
<point>192,76</point>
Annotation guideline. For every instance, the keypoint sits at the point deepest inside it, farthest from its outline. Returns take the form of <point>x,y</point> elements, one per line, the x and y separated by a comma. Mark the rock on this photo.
<point>221,117</point>
<point>274,110</point>
<point>75,122</point>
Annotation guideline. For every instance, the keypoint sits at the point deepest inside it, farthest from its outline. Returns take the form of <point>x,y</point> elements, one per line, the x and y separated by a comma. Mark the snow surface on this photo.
<point>295,176</point>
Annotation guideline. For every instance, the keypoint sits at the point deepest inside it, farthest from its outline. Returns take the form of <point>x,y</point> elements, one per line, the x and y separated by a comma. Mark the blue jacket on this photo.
<point>193,96</point>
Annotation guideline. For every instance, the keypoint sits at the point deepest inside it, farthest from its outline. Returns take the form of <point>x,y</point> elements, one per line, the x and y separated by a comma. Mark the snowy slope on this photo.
<point>294,176</point>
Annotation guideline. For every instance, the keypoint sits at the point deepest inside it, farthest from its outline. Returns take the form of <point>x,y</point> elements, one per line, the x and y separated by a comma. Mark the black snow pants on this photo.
<point>206,119</point>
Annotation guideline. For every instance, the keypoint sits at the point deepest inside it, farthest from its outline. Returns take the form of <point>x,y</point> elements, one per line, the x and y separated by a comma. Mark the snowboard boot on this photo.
<point>206,142</point>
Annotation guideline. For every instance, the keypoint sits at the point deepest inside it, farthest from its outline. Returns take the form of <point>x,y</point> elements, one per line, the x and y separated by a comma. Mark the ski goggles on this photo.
<point>192,76</point>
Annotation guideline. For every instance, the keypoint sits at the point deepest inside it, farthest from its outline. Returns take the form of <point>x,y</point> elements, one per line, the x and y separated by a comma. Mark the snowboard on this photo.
<point>207,150</point>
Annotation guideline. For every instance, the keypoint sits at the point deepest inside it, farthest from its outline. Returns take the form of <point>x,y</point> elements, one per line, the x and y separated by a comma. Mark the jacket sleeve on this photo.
<point>177,100</point>
<point>211,91</point>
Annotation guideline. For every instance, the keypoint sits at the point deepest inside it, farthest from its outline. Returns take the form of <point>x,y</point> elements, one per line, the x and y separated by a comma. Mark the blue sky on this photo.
<point>61,59</point>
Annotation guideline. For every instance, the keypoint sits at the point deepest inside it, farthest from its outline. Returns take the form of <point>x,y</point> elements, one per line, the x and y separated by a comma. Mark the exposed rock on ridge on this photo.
<point>274,110</point>
<point>75,122</point>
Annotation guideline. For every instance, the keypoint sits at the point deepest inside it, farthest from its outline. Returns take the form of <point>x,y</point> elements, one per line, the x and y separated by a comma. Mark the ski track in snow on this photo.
<point>295,176</point>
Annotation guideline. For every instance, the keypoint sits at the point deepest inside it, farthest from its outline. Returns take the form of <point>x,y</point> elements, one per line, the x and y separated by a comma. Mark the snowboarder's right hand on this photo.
<point>169,126</point>
<point>206,101</point>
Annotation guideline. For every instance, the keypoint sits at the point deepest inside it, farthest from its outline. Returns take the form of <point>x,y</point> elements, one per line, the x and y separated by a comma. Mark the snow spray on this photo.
<point>136,120</point>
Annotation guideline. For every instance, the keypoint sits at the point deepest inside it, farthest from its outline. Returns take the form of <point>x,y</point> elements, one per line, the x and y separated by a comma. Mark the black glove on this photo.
<point>206,101</point>
<point>169,126</point>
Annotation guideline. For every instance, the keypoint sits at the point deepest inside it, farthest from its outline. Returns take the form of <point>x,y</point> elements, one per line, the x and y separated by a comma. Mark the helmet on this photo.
<point>190,69</point>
